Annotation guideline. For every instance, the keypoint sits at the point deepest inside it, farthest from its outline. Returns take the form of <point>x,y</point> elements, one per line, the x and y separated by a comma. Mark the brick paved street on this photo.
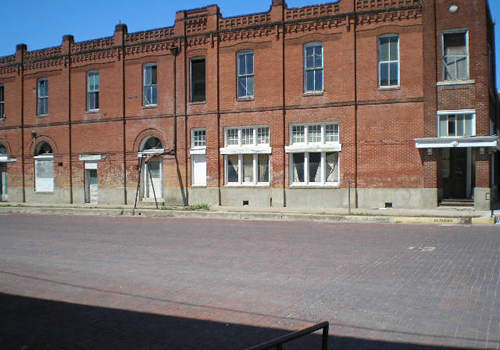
<point>117,283</point>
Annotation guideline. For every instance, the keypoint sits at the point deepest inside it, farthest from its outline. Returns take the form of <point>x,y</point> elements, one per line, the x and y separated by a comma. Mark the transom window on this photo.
<point>93,91</point>
<point>388,60</point>
<point>43,96</point>
<point>151,143</point>
<point>150,88</point>
<point>313,67</point>
<point>243,136</point>
<point>314,133</point>
<point>245,74</point>
<point>199,138</point>
<point>2,102</point>
<point>455,55</point>
<point>456,124</point>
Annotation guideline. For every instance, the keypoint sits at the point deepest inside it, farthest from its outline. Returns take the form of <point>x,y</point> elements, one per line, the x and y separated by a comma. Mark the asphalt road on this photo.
<point>136,283</point>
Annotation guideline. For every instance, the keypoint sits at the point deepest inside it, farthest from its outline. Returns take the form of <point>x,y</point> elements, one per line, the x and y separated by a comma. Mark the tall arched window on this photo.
<point>44,168</point>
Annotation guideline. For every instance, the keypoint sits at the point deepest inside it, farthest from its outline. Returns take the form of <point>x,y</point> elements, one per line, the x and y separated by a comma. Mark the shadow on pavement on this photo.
<point>30,323</point>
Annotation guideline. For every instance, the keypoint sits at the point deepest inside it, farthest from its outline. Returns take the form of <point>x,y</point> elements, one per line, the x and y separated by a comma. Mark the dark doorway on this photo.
<point>456,173</point>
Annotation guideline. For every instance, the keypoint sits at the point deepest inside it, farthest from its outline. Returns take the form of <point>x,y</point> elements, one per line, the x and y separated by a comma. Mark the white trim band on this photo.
<point>458,142</point>
<point>90,157</point>
<point>313,148</point>
<point>246,150</point>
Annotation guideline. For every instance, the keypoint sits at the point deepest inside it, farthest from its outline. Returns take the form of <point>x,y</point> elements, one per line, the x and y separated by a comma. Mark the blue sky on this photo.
<point>41,24</point>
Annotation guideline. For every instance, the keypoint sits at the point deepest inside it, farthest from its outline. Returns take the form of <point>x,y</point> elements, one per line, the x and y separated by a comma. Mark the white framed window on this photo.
<point>247,169</point>
<point>150,85</point>
<point>93,91</point>
<point>246,80</point>
<point>455,55</point>
<point>388,66</point>
<point>198,138</point>
<point>43,96</point>
<point>456,123</point>
<point>246,156</point>
<point>44,168</point>
<point>313,67</point>
<point>314,154</point>
<point>2,102</point>
<point>310,134</point>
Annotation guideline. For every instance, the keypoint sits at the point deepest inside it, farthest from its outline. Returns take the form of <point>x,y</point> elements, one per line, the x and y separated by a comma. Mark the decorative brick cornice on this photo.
<point>91,45</point>
<point>312,11</point>
<point>244,21</point>
<point>150,35</point>
<point>385,4</point>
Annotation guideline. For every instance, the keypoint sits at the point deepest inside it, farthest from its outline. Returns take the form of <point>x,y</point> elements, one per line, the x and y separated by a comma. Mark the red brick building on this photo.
<point>394,99</point>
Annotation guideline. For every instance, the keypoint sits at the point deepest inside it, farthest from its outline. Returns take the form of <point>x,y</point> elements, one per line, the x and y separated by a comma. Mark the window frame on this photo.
<point>245,76</point>
<point>255,170</point>
<point>193,138</point>
<point>306,69</point>
<point>443,65</point>
<point>323,162</point>
<point>2,102</point>
<point>191,82</point>
<point>389,62</point>
<point>150,86</point>
<point>306,127</point>
<point>462,112</point>
<point>41,98</point>
<point>255,136</point>
<point>89,91</point>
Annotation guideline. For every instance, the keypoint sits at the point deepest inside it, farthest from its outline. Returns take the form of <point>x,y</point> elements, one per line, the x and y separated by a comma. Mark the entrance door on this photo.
<point>199,169</point>
<point>91,186</point>
<point>3,182</point>
<point>456,185</point>
<point>153,179</point>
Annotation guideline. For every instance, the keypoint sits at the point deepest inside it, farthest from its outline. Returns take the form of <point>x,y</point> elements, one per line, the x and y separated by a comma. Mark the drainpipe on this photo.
<point>67,41</point>
<point>355,25</point>
<point>20,49</point>
<point>284,99</point>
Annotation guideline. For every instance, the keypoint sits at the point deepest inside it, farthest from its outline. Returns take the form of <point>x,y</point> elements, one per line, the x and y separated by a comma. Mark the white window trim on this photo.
<point>144,86</point>
<point>255,174</point>
<point>312,92</point>
<point>93,91</point>
<point>389,62</point>
<point>198,149</point>
<point>254,145</point>
<point>39,97</point>
<point>306,183</point>
<point>150,152</point>
<point>239,75</point>
<point>455,31</point>
<point>90,157</point>
<point>314,145</point>
<point>456,112</point>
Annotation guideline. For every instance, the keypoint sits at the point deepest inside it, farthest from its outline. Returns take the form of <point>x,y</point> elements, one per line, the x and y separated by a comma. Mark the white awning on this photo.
<point>246,150</point>
<point>91,157</point>
<point>5,159</point>
<point>458,142</point>
<point>335,147</point>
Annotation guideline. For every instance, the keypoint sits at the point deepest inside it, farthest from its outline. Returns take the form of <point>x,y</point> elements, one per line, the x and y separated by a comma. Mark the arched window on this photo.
<point>151,143</point>
<point>44,168</point>
<point>3,150</point>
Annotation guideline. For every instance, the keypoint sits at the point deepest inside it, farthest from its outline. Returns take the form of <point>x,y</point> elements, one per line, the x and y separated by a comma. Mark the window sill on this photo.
<point>313,93</point>
<point>44,192</point>
<point>42,115</point>
<point>197,103</point>
<point>455,82</point>
<point>309,186</point>
<point>150,106</point>
<point>245,99</point>
<point>389,88</point>
<point>249,185</point>
<point>198,186</point>
<point>93,111</point>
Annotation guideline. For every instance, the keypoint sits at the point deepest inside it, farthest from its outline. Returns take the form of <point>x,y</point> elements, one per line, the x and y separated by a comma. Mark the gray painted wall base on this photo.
<point>482,198</point>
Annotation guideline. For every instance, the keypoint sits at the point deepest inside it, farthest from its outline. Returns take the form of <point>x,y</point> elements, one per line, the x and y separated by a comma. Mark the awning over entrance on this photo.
<point>4,159</point>
<point>459,142</point>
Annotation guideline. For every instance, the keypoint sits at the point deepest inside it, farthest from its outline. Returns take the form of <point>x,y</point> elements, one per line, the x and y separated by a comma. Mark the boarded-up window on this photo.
<point>44,174</point>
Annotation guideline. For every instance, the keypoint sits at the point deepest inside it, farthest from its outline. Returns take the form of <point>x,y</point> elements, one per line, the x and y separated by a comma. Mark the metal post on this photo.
<point>152,184</point>
<point>349,194</point>
<point>324,343</point>
<point>141,162</point>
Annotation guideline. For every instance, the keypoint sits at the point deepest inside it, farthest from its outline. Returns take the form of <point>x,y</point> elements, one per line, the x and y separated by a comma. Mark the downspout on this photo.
<point>218,116</point>
<point>284,100</point>
<point>69,128</point>
<point>124,120</point>
<point>355,108</point>
<point>186,77</point>
<point>22,120</point>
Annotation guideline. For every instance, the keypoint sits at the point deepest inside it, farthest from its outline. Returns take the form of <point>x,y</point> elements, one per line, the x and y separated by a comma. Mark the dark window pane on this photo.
<point>394,49</point>
<point>198,80</point>
<point>298,167</point>
<point>263,171</point>
<point>318,80</point>
<point>153,75</point>
<point>250,86</point>
<point>310,80</point>
<point>384,74</point>
<point>394,73</point>
<point>242,89</point>
<point>232,168</point>
<point>384,49</point>
<point>314,167</point>
<point>154,95</point>
<point>249,63</point>
<point>241,64</point>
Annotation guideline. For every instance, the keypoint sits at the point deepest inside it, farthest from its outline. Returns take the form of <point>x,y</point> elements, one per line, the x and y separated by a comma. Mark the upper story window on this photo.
<point>248,136</point>
<point>198,80</point>
<point>198,138</point>
<point>456,124</point>
<point>93,91</point>
<point>150,88</point>
<point>455,55</point>
<point>2,102</point>
<point>314,134</point>
<point>388,66</point>
<point>313,67</point>
<point>245,74</point>
<point>43,96</point>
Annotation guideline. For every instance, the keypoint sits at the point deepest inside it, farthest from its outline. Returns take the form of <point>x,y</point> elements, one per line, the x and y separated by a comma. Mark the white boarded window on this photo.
<point>44,168</point>
<point>199,162</point>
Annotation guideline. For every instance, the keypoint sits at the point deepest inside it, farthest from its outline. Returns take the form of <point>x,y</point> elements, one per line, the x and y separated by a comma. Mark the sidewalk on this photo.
<point>440,215</point>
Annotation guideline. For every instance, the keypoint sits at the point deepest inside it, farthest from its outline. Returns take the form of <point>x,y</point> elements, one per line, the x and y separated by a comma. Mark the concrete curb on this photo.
<point>239,215</point>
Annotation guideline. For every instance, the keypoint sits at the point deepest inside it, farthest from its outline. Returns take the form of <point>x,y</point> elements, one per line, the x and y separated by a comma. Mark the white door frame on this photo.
<point>146,179</point>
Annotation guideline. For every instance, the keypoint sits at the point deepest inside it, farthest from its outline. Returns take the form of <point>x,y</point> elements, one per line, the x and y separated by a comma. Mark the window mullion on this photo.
<point>255,167</point>
<point>323,167</point>
<point>306,168</point>
<point>240,169</point>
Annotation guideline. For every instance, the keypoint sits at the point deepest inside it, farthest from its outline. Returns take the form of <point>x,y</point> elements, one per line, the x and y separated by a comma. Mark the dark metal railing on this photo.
<point>280,342</point>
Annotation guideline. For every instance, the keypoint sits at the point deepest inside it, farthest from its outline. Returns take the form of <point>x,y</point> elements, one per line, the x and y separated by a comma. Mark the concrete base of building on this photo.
<point>482,198</point>
<point>407,198</point>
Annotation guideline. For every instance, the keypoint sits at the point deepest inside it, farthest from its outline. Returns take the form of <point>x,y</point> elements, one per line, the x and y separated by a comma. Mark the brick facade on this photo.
<point>378,160</point>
